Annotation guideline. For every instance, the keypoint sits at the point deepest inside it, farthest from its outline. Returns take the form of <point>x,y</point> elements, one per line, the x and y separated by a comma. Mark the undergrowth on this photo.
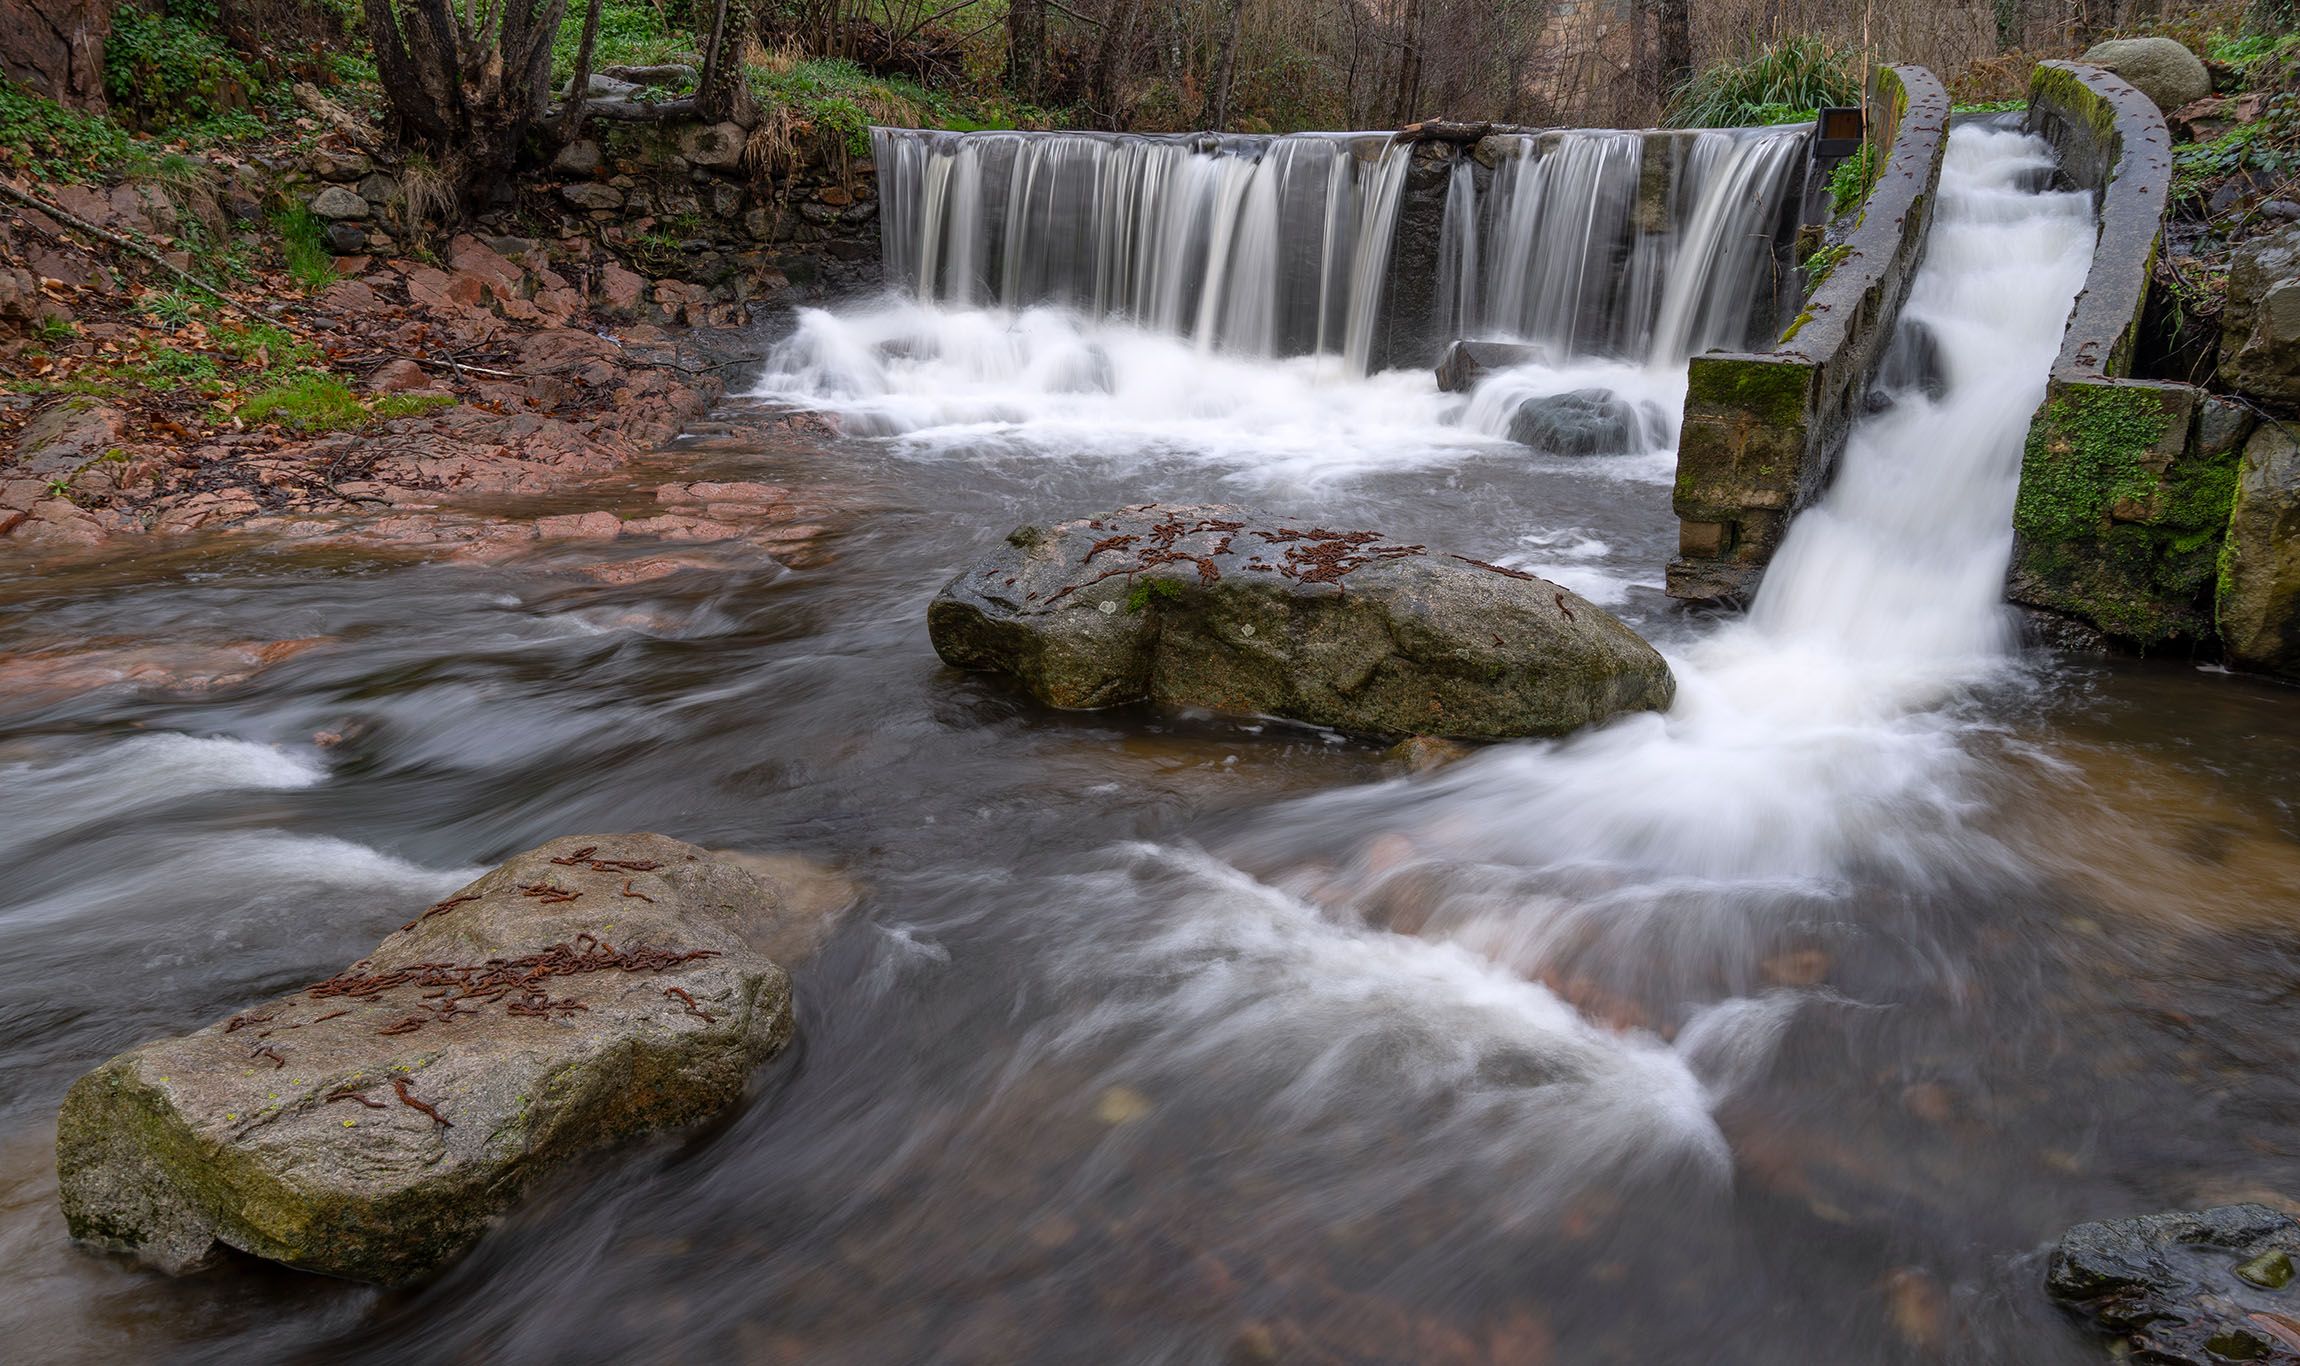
<point>1786,82</point>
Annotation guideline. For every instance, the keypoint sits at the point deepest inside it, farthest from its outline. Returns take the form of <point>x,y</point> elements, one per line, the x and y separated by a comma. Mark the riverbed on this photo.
<point>1790,1026</point>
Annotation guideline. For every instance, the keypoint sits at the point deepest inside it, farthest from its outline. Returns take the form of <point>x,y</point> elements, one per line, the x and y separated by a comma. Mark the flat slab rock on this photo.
<point>2207,1287</point>
<point>374,1125</point>
<point>1218,607</point>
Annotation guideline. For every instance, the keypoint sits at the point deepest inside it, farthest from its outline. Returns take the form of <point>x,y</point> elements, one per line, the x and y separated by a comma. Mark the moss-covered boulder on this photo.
<point>2259,598</point>
<point>373,1125</point>
<point>1226,609</point>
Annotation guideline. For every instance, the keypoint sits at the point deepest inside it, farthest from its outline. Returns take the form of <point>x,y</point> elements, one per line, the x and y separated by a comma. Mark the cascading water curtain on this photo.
<point>1637,245</point>
<point>1260,246</point>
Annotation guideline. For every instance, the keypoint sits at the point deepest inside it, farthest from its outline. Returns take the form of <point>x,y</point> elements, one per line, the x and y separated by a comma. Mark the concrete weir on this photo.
<point>1762,431</point>
<point>2125,483</point>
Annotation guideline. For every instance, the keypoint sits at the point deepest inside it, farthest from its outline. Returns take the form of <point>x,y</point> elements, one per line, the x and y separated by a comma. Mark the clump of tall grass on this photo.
<point>1782,83</point>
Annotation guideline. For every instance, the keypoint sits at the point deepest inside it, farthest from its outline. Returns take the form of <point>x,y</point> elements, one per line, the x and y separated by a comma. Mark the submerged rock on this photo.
<point>1222,608</point>
<point>1583,422</point>
<point>1466,362</point>
<point>373,1125</point>
<point>2203,1287</point>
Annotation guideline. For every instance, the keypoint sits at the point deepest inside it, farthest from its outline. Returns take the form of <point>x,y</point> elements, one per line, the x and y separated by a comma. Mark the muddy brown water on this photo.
<point>1161,1037</point>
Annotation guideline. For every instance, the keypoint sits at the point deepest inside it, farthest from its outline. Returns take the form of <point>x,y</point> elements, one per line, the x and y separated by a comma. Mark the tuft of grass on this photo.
<point>303,239</point>
<point>309,402</point>
<point>55,330</point>
<point>1785,82</point>
<point>177,307</point>
<point>390,406</point>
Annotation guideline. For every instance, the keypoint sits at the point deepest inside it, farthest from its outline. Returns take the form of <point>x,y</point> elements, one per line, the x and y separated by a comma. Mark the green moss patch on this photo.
<point>1772,391</point>
<point>2110,529</point>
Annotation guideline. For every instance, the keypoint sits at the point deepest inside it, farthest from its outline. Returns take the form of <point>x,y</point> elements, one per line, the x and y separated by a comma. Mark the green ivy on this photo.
<point>1851,181</point>
<point>172,69</point>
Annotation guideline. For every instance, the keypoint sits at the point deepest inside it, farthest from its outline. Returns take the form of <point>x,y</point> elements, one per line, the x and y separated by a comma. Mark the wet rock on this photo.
<point>1426,753</point>
<point>1583,422</point>
<point>2259,594</point>
<point>1912,363</point>
<point>346,239</point>
<point>2260,322</point>
<point>2168,73</point>
<point>585,993</point>
<point>1221,608</point>
<point>2172,1287</point>
<point>1467,362</point>
<point>336,202</point>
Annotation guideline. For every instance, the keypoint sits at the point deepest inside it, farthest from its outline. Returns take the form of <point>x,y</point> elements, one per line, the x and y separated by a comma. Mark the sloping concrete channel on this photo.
<point>2126,483</point>
<point>1762,431</point>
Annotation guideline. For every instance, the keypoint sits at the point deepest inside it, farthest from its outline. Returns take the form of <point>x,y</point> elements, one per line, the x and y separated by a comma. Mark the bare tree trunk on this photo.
<point>723,89</point>
<point>1673,38</point>
<point>466,85</point>
<point>1216,114</point>
<point>579,89</point>
<point>1111,52</point>
<point>1643,72</point>
<point>1409,65</point>
<point>1026,47</point>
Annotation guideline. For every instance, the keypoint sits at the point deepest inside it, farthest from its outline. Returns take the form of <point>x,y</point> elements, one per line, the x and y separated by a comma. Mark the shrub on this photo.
<point>171,68</point>
<point>1782,83</point>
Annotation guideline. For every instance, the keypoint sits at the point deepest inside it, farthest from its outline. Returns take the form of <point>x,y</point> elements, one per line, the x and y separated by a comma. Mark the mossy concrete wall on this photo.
<point>2126,484</point>
<point>1762,431</point>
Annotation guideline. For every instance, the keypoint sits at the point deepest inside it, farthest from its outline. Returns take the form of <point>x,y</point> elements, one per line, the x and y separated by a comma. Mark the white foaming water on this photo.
<point>1808,749</point>
<point>39,800</point>
<point>1047,382</point>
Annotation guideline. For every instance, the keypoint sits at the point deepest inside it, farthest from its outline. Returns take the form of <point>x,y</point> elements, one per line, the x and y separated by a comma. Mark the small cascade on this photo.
<point>1590,243</point>
<point>1259,246</point>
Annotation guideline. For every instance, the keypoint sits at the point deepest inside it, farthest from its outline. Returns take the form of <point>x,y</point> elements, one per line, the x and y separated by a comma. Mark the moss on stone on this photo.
<point>2114,530</point>
<point>1770,390</point>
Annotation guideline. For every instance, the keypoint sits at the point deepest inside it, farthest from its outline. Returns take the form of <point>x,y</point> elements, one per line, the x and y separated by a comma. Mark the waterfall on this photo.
<point>1260,246</point>
<point>1587,244</point>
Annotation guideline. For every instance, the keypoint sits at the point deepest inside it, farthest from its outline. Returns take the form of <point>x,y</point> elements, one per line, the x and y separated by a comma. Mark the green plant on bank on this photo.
<point>44,140</point>
<point>303,240</point>
<point>1853,178</point>
<point>2268,146</point>
<point>1821,262</point>
<point>177,307</point>
<point>170,67</point>
<point>168,365</point>
<point>1991,107</point>
<point>264,346</point>
<point>1784,82</point>
<point>55,330</point>
<point>315,401</point>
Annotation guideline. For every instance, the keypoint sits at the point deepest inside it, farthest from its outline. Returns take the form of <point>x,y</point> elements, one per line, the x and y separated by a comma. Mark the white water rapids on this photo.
<point>1812,741</point>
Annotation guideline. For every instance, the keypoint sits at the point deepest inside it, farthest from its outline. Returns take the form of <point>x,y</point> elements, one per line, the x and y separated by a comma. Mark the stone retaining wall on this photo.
<point>2126,483</point>
<point>1762,431</point>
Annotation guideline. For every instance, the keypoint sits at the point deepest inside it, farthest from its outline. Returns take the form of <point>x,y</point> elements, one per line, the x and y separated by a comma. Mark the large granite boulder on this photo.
<point>2258,606</point>
<point>2207,1287</point>
<point>373,1125</point>
<point>2168,73</point>
<point>1222,608</point>
<point>2260,319</point>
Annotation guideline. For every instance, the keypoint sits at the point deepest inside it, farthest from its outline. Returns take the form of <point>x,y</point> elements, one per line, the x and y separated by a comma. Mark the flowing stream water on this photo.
<point>1786,1026</point>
